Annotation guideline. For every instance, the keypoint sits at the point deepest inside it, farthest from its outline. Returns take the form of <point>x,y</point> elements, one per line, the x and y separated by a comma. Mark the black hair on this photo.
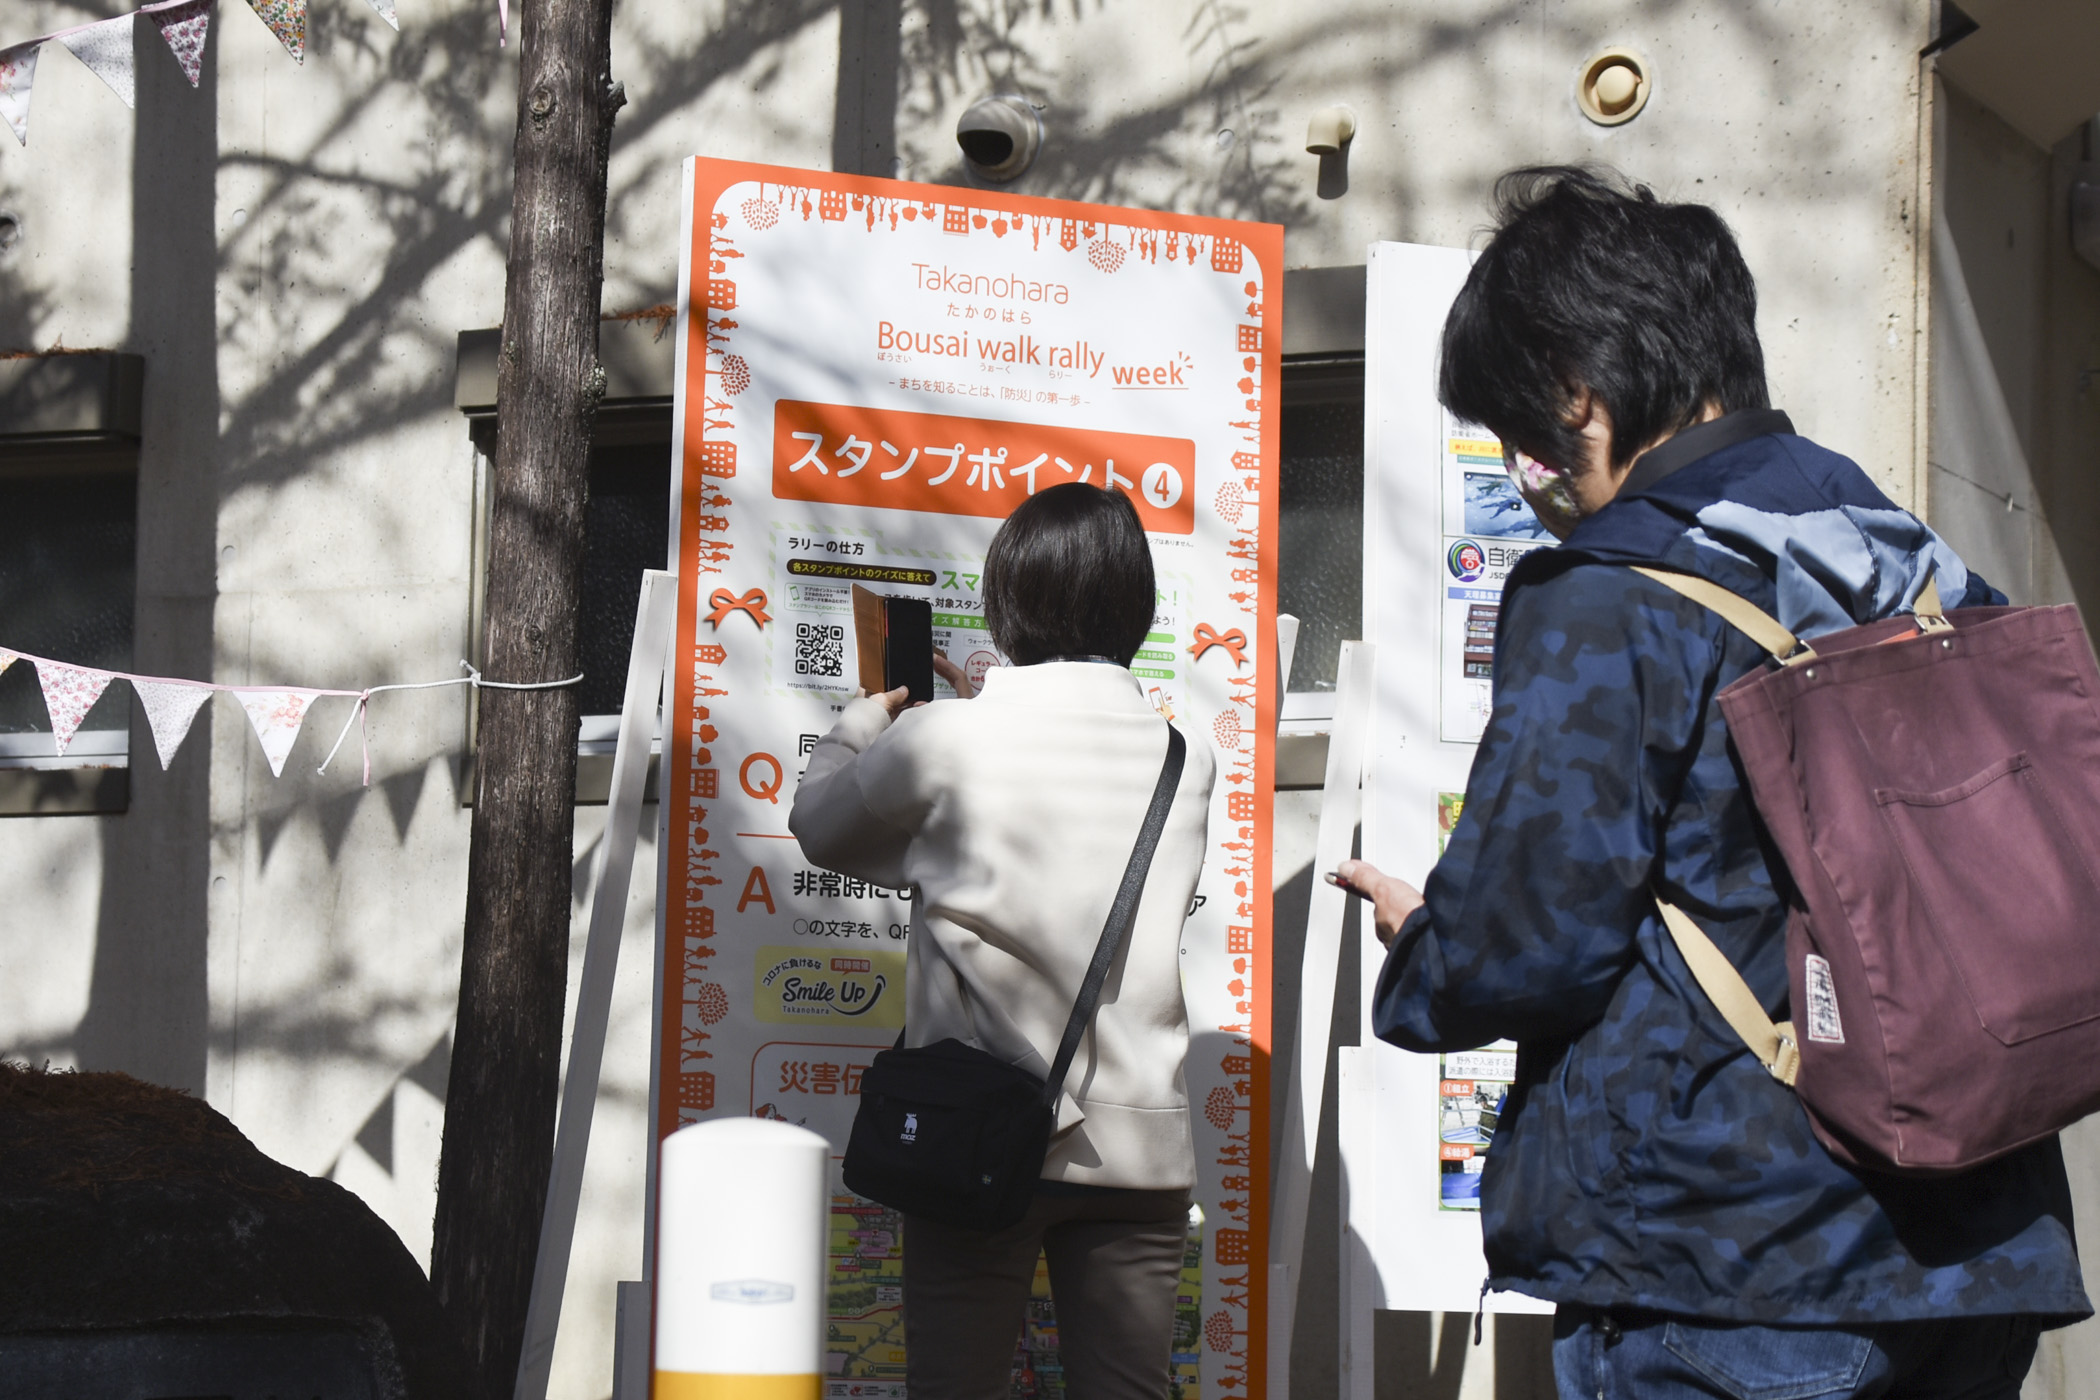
<point>1070,574</point>
<point>1590,282</point>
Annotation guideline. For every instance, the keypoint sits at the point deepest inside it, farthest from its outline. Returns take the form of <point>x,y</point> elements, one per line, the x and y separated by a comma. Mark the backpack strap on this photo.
<point>1745,616</point>
<point>1766,630</point>
<point>1773,1043</point>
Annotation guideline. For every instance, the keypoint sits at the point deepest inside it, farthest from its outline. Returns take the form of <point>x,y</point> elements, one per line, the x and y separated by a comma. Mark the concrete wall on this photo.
<point>294,247</point>
<point>2015,440</point>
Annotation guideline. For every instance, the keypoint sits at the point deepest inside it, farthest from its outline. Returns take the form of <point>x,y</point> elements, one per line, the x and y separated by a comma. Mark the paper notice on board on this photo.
<point>1473,1084</point>
<point>1470,1098</point>
<point>1487,529</point>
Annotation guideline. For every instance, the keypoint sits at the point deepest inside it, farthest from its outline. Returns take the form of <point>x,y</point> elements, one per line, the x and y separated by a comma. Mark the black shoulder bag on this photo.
<point>951,1133</point>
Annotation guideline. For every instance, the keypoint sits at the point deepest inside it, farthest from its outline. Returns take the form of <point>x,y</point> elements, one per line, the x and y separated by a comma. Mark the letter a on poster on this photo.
<point>871,376</point>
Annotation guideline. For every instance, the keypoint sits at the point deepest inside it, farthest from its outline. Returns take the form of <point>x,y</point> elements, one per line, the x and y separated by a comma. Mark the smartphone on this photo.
<point>907,652</point>
<point>893,642</point>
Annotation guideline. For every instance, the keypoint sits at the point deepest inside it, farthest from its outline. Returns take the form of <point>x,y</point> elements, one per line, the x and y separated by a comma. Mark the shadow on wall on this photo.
<point>148,1009</point>
<point>22,308</point>
<point>1423,1356</point>
<point>329,383</point>
<point>1224,144</point>
<point>1216,147</point>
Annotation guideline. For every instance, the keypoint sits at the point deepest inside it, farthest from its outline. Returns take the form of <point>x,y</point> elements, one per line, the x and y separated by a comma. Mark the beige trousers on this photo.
<point>1115,1268</point>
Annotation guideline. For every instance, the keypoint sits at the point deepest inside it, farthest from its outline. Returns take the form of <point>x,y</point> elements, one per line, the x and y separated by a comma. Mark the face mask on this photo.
<point>1546,489</point>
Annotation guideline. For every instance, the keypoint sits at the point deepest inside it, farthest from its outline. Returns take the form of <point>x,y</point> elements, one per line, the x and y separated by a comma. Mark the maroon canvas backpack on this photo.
<point>1933,782</point>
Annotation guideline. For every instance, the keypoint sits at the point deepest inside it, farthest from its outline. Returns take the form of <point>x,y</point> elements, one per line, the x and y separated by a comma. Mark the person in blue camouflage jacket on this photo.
<point>1648,1176</point>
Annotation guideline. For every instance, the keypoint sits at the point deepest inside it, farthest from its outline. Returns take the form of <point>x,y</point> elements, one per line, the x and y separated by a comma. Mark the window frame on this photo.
<point>1323,362</point>
<point>71,414</point>
<point>639,355</point>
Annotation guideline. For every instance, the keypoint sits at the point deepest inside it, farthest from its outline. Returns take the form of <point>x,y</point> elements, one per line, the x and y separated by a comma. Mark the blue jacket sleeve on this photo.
<point>1601,685</point>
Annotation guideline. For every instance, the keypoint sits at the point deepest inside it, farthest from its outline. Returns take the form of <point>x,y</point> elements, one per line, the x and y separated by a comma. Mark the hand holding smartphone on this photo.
<point>893,640</point>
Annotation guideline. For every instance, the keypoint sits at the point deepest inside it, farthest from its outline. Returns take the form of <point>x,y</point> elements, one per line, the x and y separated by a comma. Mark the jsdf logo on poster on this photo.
<point>820,649</point>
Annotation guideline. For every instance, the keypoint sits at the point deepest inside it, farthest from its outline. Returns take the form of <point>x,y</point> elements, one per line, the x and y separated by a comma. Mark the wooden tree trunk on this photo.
<point>500,1106</point>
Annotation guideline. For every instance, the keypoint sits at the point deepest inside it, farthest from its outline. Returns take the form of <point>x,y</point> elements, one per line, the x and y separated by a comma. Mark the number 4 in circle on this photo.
<point>1161,484</point>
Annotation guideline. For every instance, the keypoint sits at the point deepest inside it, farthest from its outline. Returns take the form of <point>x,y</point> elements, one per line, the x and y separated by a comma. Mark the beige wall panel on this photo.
<point>65,280</point>
<point>47,936</point>
<point>1797,121</point>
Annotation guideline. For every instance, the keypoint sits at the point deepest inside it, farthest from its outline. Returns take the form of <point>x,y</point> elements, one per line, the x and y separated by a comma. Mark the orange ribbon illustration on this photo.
<point>724,603</point>
<point>1234,641</point>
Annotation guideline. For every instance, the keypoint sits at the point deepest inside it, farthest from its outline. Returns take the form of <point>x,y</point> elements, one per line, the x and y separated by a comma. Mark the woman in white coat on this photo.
<point>1012,817</point>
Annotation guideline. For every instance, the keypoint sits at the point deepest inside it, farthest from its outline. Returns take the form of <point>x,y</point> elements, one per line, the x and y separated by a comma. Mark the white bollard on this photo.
<point>743,1212</point>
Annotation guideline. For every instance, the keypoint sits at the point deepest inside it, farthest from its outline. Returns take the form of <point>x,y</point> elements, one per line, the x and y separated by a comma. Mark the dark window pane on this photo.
<point>625,531</point>
<point>1320,553</point>
<point>67,582</point>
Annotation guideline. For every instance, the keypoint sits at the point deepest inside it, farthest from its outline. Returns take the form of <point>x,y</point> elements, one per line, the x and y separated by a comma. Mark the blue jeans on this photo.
<point>1649,1356</point>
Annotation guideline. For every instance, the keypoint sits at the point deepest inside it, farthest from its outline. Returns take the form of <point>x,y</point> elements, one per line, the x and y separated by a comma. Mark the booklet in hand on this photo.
<point>894,639</point>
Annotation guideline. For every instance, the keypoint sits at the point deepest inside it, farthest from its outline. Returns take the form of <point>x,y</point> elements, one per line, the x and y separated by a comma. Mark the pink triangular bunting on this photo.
<point>276,715</point>
<point>386,12</point>
<point>170,707</point>
<point>184,27</point>
<point>69,693</point>
<point>8,658</point>
<point>106,49</point>
<point>287,20</point>
<point>17,73</point>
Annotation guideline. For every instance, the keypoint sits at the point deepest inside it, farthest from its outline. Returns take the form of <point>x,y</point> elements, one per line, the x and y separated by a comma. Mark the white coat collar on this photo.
<point>1065,685</point>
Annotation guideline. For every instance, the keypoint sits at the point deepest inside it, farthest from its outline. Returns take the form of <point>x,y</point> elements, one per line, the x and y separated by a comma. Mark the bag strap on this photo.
<point>1121,915</point>
<point>1774,1043</point>
<point>1745,616</point>
<point>1766,630</point>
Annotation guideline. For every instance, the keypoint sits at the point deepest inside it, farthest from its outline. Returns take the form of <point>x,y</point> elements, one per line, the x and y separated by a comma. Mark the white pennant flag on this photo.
<point>386,12</point>
<point>276,715</point>
<point>106,49</point>
<point>170,707</point>
<point>69,693</point>
<point>8,658</point>
<point>17,73</point>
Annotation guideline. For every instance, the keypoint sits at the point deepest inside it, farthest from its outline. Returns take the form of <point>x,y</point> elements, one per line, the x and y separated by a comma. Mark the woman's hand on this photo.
<point>895,702</point>
<point>955,675</point>
<point>1392,899</point>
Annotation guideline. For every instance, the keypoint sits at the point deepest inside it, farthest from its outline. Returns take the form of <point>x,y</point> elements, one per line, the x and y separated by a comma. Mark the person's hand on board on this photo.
<point>955,675</point>
<point>1392,899</point>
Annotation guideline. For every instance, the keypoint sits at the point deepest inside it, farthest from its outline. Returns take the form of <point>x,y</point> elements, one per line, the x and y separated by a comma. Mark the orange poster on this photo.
<point>872,375</point>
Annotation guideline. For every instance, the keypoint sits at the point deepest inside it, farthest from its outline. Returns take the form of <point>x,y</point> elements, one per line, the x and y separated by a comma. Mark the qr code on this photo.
<point>820,649</point>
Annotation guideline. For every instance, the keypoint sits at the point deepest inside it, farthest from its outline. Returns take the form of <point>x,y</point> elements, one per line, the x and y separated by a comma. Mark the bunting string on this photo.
<point>105,46</point>
<point>275,712</point>
<point>472,677</point>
